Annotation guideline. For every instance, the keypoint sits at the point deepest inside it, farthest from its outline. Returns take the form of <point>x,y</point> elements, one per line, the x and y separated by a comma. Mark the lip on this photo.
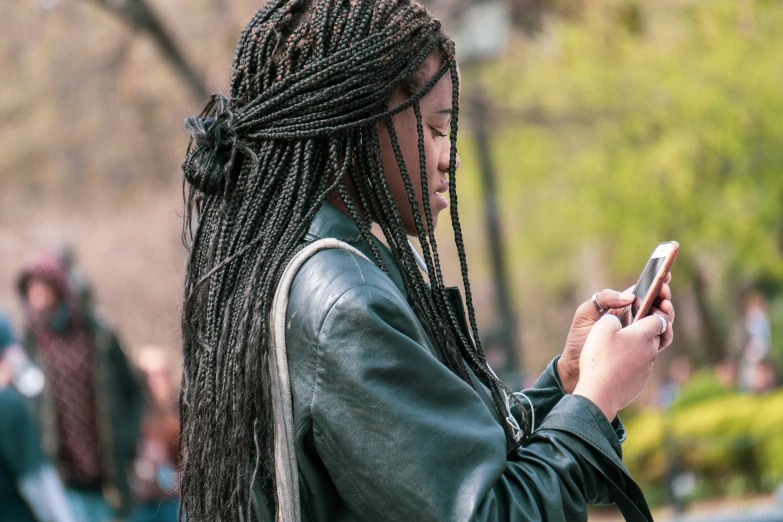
<point>444,186</point>
<point>439,200</point>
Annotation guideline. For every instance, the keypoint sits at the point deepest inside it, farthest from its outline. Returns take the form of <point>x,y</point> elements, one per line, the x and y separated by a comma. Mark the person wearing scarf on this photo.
<point>30,490</point>
<point>91,407</point>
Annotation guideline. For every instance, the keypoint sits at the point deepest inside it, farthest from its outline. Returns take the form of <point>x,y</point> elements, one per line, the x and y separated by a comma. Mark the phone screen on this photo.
<point>648,276</point>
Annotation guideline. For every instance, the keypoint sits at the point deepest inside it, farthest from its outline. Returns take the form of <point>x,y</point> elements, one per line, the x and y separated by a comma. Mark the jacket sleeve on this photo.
<point>44,493</point>
<point>20,443</point>
<point>130,391</point>
<point>545,395</point>
<point>403,438</point>
<point>547,392</point>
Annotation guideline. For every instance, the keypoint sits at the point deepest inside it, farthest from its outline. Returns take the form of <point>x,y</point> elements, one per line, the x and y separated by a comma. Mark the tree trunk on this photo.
<point>714,347</point>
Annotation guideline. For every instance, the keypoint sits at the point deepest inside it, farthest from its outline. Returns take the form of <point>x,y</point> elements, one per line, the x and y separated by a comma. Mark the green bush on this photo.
<point>726,438</point>
<point>701,387</point>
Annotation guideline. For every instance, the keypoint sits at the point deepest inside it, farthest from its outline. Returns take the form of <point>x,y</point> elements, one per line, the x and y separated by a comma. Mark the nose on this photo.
<point>443,163</point>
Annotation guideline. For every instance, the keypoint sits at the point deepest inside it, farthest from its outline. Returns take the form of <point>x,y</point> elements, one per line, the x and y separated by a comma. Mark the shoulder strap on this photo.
<point>286,468</point>
<point>625,492</point>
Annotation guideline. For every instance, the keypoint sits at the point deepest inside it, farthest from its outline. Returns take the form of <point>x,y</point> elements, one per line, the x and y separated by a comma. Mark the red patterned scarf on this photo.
<point>69,363</point>
<point>67,350</point>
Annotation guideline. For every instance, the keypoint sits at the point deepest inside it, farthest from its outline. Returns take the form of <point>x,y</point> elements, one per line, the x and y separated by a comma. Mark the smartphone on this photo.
<point>652,278</point>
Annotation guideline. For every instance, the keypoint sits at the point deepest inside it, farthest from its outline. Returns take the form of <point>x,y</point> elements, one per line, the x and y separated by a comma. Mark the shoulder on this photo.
<point>103,334</point>
<point>14,408</point>
<point>335,281</point>
<point>332,273</point>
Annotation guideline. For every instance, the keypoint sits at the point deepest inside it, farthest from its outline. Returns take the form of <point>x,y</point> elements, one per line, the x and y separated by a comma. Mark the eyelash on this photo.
<point>436,133</point>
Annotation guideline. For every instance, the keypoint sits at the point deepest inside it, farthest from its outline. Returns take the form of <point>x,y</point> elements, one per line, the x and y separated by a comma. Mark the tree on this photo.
<point>625,138</point>
<point>139,15</point>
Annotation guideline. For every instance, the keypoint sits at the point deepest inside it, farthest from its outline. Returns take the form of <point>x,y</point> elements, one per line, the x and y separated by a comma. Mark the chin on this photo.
<point>410,225</point>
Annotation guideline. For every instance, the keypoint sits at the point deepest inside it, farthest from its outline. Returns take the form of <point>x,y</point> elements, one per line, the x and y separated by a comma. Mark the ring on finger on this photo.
<point>663,323</point>
<point>601,309</point>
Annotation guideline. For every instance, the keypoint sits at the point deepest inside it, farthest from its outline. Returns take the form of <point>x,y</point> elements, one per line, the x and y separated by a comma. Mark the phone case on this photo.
<point>660,277</point>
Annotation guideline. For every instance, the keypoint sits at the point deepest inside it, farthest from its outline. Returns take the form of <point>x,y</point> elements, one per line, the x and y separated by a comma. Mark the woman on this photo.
<point>91,407</point>
<point>155,479</point>
<point>344,114</point>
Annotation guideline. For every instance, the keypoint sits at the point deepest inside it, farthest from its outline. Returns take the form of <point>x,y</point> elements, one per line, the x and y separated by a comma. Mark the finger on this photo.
<point>665,292</point>
<point>666,310</point>
<point>667,338</point>
<point>668,278</point>
<point>612,299</point>
<point>609,324</point>
<point>648,328</point>
<point>645,338</point>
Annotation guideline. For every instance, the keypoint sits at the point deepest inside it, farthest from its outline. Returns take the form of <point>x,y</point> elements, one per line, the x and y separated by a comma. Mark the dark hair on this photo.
<point>311,79</point>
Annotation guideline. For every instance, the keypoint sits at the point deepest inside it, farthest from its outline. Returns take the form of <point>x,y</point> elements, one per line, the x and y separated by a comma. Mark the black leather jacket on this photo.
<point>386,432</point>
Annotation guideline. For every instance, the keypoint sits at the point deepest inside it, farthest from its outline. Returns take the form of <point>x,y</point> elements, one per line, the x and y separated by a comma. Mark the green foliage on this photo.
<point>776,319</point>
<point>627,135</point>
<point>701,387</point>
<point>733,442</point>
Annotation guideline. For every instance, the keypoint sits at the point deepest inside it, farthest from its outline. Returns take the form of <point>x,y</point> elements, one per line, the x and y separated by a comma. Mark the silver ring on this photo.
<point>598,306</point>
<point>664,323</point>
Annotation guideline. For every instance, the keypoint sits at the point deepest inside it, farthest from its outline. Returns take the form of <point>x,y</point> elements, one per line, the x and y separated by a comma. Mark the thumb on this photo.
<point>606,325</point>
<point>612,299</point>
<point>651,326</point>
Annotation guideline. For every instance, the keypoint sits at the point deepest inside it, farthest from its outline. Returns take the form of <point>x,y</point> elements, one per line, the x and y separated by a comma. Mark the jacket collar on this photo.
<point>329,221</point>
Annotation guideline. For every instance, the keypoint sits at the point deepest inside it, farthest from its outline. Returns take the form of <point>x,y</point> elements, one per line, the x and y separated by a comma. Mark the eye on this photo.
<point>436,133</point>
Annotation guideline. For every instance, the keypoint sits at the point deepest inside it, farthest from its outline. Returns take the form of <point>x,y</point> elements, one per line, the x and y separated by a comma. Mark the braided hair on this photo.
<point>311,81</point>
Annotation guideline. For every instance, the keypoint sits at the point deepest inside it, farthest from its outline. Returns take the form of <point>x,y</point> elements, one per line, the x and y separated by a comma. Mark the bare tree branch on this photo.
<point>139,15</point>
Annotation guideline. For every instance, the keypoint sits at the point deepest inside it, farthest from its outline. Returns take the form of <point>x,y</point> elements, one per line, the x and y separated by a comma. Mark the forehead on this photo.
<point>441,95</point>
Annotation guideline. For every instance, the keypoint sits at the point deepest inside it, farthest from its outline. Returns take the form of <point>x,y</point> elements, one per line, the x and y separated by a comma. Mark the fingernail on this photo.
<point>627,295</point>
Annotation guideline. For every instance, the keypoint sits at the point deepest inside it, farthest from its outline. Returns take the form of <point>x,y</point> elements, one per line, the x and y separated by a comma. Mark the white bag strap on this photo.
<point>286,468</point>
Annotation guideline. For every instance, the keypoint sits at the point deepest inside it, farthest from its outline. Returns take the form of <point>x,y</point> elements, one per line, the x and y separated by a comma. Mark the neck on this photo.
<point>337,201</point>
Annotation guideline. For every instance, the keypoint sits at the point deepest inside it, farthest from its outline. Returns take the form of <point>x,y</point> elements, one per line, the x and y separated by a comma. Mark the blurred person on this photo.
<point>77,279</point>
<point>344,114</point>
<point>30,489</point>
<point>758,335</point>
<point>680,370</point>
<point>726,373</point>
<point>91,407</point>
<point>763,379</point>
<point>155,470</point>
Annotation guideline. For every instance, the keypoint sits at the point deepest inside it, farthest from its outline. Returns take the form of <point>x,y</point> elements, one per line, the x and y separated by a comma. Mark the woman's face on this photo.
<point>436,108</point>
<point>41,297</point>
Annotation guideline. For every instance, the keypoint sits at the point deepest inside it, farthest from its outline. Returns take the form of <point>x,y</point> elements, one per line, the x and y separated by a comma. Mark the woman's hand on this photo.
<point>587,315</point>
<point>616,362</point>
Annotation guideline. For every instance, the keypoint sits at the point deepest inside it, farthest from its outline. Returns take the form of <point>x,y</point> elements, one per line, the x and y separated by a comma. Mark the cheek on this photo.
<point>433,150</point>
<point>407,139</point>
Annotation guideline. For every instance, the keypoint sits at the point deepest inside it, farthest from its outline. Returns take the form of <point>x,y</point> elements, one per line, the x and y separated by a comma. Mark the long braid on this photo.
<point>311,79</point>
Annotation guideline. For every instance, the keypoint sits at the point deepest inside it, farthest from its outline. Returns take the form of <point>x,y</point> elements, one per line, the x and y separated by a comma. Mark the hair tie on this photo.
<point>212,146</point>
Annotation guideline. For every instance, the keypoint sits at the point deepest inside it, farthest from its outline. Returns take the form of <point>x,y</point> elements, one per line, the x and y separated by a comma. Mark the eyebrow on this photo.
<point>444,111</point>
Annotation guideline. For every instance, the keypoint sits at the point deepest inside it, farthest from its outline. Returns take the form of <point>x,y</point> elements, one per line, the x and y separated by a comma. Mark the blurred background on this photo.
<point>590,132</point>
